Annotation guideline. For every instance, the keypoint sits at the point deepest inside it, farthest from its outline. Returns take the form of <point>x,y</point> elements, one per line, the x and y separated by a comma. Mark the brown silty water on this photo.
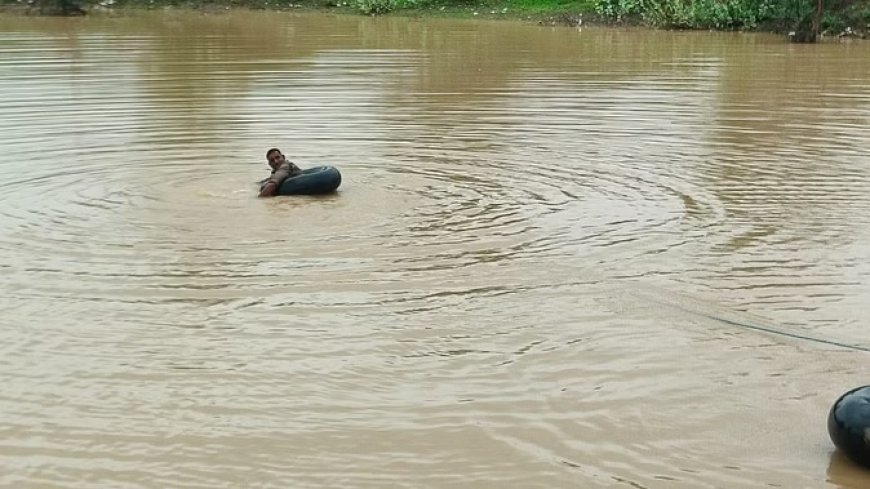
<point>559,257</point>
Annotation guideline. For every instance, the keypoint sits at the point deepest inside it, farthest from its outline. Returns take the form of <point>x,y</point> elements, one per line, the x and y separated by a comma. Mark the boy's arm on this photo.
<point>268,189</point>
<point>287,169</point>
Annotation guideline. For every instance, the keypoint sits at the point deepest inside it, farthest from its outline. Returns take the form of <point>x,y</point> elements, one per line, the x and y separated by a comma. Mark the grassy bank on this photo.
<point>827,17</point>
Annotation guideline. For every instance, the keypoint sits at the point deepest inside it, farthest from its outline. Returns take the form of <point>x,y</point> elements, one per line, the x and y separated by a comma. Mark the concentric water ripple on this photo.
<point>558,258</point>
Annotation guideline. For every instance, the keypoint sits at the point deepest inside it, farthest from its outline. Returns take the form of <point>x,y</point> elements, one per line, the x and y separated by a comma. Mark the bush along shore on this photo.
<point>803,20</point>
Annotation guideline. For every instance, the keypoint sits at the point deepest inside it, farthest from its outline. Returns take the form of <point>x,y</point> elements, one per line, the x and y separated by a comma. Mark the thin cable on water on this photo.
<point>770,330</point>
<point>653,296</point>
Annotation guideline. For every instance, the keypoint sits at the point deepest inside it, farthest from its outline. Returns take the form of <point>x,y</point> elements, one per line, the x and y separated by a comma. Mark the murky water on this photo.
<point>559,258</point>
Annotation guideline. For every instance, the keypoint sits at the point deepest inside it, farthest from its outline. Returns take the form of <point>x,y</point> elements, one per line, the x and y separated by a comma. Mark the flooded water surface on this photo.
<point>558,258</point>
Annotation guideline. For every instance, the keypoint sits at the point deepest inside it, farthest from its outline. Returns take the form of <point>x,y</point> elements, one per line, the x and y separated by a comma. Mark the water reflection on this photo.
<point>845,474</point>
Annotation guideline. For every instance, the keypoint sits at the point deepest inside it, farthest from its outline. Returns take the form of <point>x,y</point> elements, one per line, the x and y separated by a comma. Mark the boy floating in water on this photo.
<point>281,169</point>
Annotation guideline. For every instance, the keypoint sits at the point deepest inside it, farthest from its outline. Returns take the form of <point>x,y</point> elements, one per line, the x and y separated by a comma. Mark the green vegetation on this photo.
<point>806,18</point>
<point>698,14</point>
<point>48,7</point>
<point>831,15</point>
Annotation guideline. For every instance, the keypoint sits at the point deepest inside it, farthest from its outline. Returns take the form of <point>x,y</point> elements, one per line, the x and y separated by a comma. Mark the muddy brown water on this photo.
<point>559,257</point>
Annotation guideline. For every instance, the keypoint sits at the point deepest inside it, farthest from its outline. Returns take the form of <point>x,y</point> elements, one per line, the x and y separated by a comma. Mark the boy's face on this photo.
<point>275,159</point>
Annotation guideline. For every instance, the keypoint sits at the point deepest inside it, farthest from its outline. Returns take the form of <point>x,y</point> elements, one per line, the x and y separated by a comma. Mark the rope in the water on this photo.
<point>753,326</point>
<point>790,335</point>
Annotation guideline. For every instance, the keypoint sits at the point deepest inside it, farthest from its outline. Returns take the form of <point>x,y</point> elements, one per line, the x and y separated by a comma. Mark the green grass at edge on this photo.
<point>546,11</point>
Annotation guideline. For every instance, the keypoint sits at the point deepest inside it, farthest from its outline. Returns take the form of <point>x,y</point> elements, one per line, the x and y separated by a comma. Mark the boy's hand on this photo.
<point>268,189</point>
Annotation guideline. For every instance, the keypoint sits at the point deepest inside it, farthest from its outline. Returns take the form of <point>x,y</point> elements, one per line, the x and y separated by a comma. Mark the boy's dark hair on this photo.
<point>272,151</point>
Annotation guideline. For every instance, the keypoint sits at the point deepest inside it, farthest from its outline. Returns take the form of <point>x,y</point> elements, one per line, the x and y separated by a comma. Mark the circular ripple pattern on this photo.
<point>474,306</point>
